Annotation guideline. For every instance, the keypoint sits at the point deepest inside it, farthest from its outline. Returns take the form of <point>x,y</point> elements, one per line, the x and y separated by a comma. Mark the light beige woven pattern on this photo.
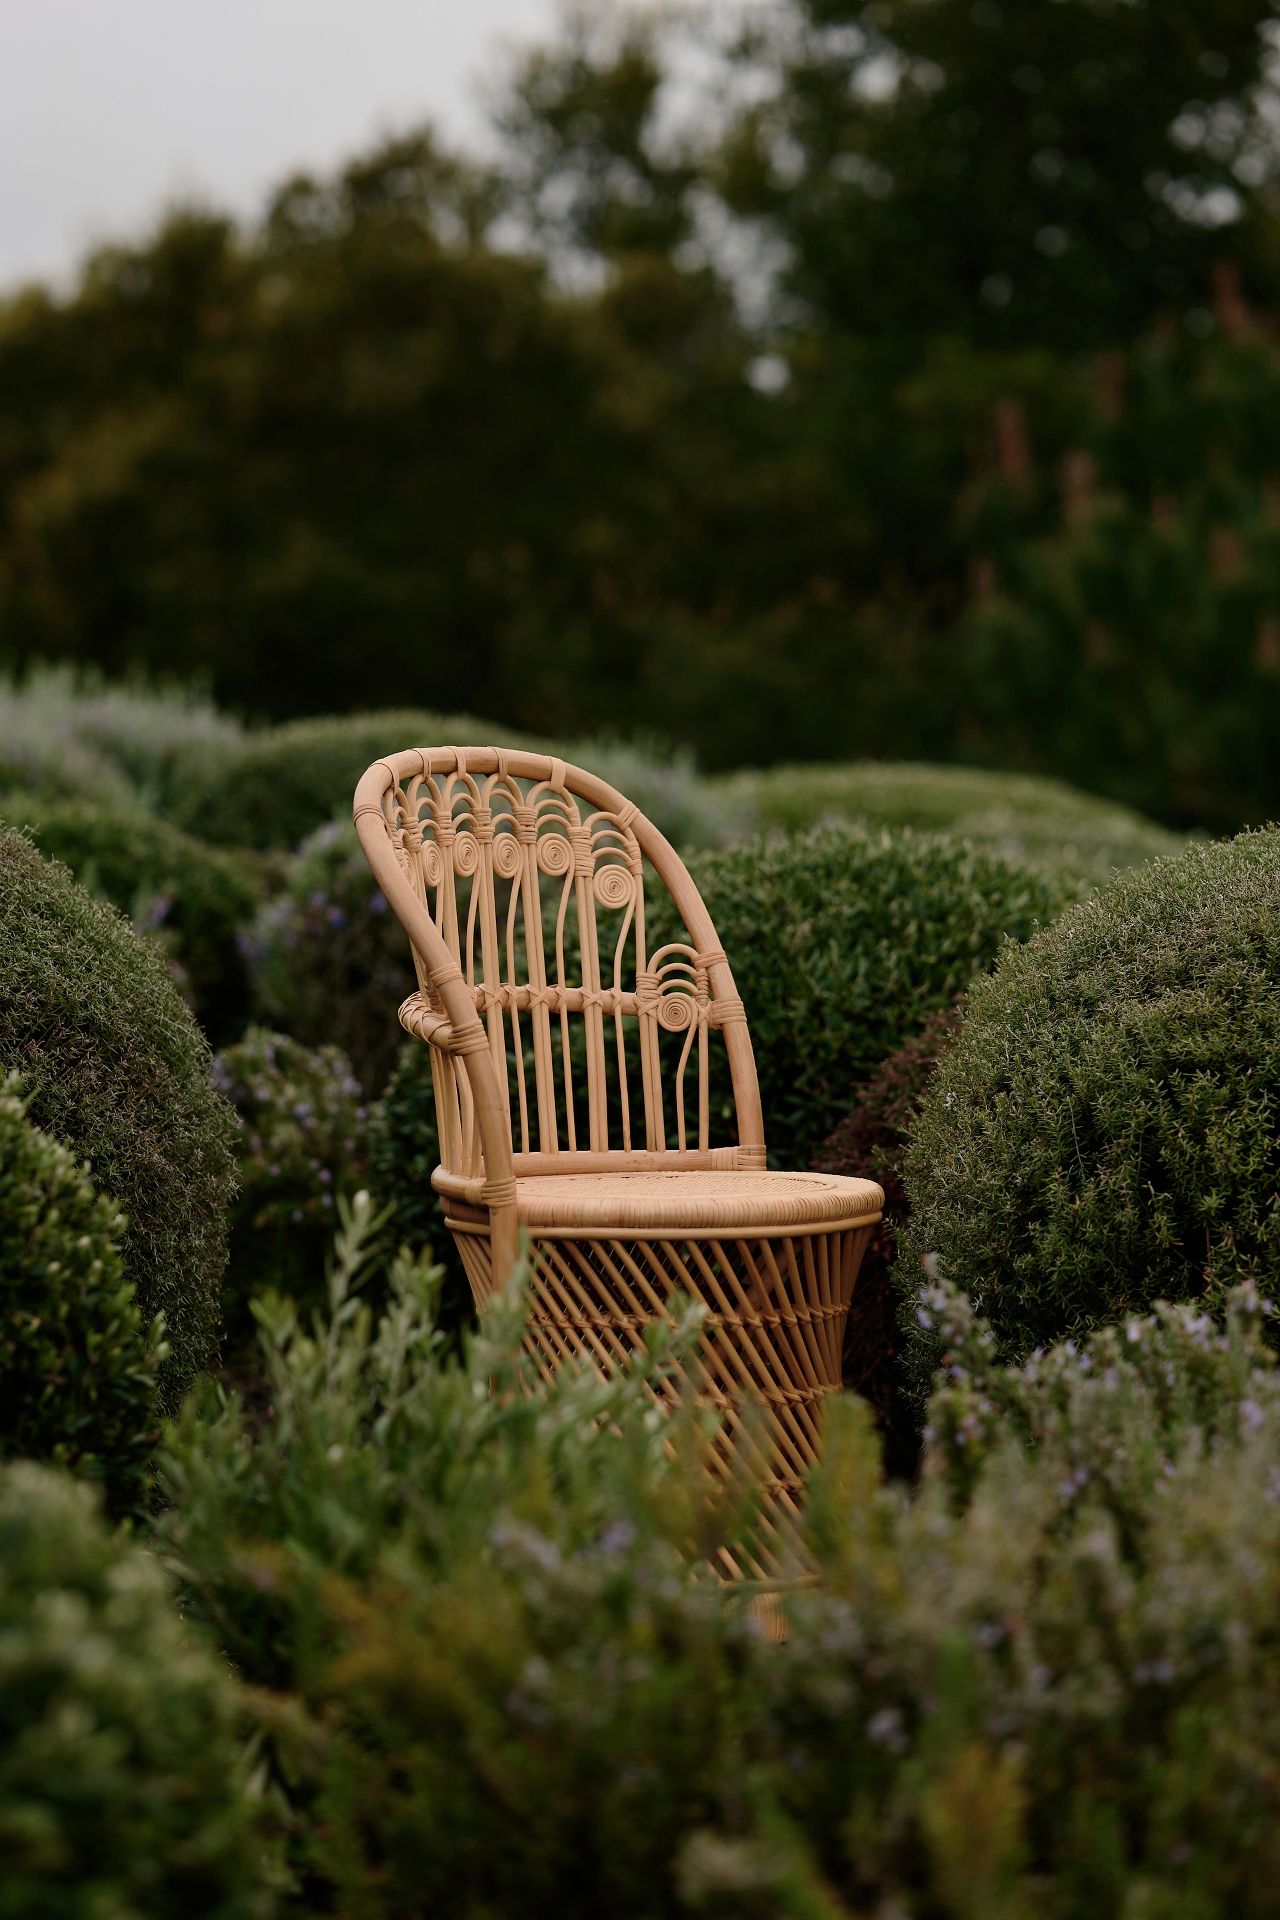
<point>694,1202</point>
<point>520,882</point>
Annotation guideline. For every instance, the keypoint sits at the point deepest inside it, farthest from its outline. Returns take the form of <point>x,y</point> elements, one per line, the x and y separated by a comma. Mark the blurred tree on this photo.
<point>1021,173</point>
<point>806,433</point>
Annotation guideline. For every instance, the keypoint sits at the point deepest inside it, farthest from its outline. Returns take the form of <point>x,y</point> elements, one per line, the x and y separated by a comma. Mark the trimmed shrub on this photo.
<point>115,1067</point>
<point>64,730</point>
<point>77,1376</point>
<point>842,942</point>
<point>330,961</point>
<point>285,783</point>
<point>494,1677</point>
<point>121,1779</point>
<point>193,899</point>
<point>1103,1134</point>
<point>301,1142</point>
<point>1020,816</point>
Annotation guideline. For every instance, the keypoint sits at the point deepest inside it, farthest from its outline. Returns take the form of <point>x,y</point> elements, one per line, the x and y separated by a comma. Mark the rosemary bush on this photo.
<point>330,961</point>
<point>123,1788</point>
<point>1103,1133</point>
<point>493,1677</point>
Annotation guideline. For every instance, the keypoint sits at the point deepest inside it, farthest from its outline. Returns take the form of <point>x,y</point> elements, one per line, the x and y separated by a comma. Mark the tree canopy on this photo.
<point>910,393</point>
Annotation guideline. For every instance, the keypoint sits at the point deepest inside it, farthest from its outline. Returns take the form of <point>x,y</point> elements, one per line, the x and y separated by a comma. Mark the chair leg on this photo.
<point>776,1312</point>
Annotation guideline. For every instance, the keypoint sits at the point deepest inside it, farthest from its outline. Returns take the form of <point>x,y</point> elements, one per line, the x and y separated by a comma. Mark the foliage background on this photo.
<point>910,392</point>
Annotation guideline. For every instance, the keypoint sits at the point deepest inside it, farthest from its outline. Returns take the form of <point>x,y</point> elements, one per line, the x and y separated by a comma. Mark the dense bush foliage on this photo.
<point>1038,821</point>
<point>404,1152</point>
<point>301,1142</point>
<point>285,782</point>
<point>330,961</point>
<point>77,1372</point>
<point>491,1675</point>
<point>133,743</point>
<point>870,1143</point>
<point>114,1066</point>
<point>842,942</point>
<point>1102,1134</point>
<point>122,1783</point>
<point>194,899</point>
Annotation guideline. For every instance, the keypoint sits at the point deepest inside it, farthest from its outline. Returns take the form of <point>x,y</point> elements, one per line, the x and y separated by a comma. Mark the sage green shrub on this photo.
<point>77,1370</point>
<point>1103,1134</point>
<point>287,781</point>
<point>122,1784</point>
<point>493,1676</point>
<point>64,728</point>
<point>1024,817</point>
<point>193,899</point>
<point>842,942</point>
<point>114,1066</point>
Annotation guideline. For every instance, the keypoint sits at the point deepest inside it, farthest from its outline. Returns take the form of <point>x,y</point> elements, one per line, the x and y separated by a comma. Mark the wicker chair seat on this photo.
<point>662,1204</point>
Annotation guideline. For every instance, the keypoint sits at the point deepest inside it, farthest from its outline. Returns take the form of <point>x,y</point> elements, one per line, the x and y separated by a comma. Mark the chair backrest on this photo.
<point>520,881</point>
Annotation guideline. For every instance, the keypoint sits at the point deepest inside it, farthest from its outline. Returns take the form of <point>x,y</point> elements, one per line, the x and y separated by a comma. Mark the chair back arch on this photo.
<point>520,881</point>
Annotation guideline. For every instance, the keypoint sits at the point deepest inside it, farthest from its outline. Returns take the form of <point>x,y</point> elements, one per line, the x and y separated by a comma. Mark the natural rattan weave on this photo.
<point>572,1075</point>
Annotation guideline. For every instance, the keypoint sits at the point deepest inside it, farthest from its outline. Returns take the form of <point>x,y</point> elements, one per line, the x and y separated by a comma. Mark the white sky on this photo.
<point>109,109</point>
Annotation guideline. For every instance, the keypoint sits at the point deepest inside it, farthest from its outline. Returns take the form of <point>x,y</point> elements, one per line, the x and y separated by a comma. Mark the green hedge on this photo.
<point>77,1374</point>
<point>1103,1134</point>
<point>285,783</point>
<point>116,1068</point>
<point>1021,816</point>
<point>194,899</point>
<point>842,942</point>
<point>122,1784</point>
<point>65,731</point>
<point>492,1674</point>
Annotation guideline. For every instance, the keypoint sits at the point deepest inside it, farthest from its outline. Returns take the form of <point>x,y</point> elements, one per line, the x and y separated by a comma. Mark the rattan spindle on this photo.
<point>572,1076</point>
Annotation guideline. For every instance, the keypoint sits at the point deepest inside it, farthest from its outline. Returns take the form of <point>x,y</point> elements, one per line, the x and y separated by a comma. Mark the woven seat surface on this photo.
<point>695,1202</point>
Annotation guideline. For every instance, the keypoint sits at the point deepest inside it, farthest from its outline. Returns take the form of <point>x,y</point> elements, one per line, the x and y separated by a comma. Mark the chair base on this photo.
<point>776,1310</point>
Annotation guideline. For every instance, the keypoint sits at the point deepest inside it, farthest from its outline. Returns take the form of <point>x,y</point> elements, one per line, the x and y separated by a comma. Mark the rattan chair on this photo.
<point>562,1052</point>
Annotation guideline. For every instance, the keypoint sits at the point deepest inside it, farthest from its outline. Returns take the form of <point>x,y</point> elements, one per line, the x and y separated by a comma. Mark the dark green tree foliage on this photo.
<point>360,458</point>
<point>1103,1135</point>
<point>115,1067</point>
<point>121,1777</point>
<point>77,1372</point>
<point>193,899</point>
<point>361,455</point>
<point>1126,630</point>
<point>842,942</point>
<point>1021,173</point>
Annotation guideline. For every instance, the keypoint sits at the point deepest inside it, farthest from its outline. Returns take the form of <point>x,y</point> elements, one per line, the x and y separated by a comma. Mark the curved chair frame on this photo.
<point>775,1262</point>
